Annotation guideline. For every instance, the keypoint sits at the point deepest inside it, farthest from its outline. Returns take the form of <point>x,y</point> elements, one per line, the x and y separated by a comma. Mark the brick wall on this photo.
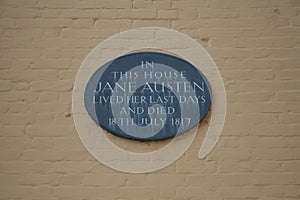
<point>256,45</point>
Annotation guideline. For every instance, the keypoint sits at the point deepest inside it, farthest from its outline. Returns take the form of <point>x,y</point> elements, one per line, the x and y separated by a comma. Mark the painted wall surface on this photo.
<point>255,44</point>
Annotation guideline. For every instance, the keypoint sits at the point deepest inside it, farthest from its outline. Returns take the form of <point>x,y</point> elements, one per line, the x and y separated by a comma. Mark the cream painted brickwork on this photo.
<point>255,44</point>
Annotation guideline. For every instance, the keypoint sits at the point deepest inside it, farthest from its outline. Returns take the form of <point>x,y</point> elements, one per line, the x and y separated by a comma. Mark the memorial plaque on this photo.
<point>147,96</point>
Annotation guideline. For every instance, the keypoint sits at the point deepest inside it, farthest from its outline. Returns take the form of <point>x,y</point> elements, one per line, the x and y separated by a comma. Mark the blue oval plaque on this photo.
<point>147,96</point>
